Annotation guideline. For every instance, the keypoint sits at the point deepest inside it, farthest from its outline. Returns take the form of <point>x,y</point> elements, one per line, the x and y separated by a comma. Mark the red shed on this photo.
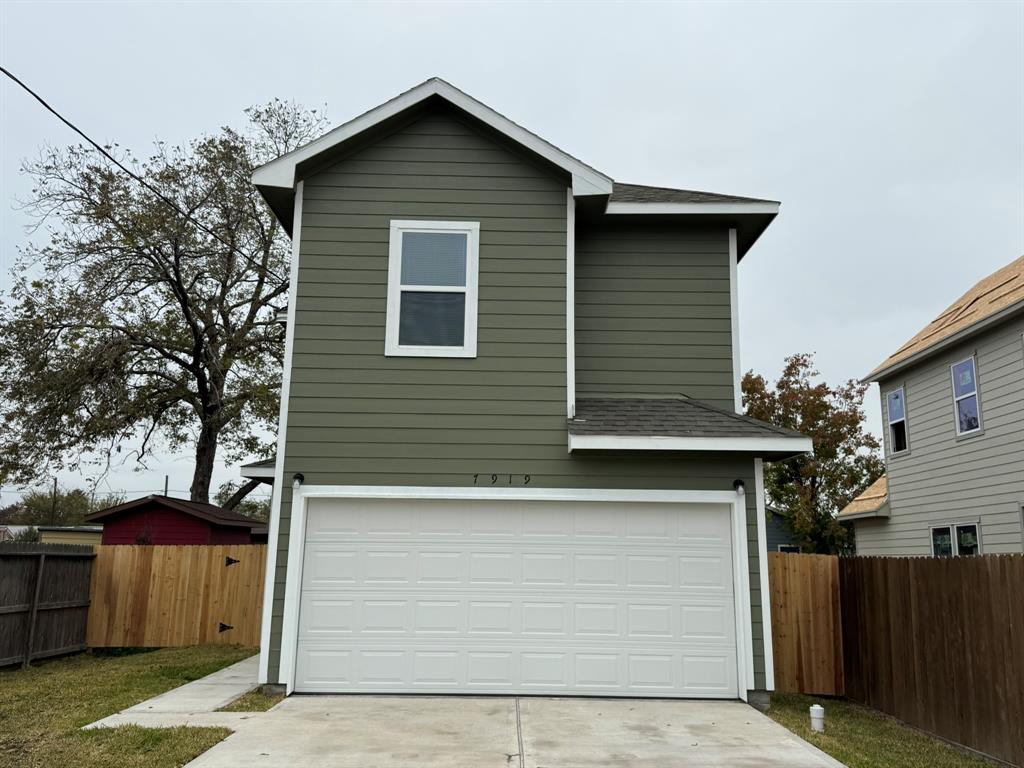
<point>163,520</point>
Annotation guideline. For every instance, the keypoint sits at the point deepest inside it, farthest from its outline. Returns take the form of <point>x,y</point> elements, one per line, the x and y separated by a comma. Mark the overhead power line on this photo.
<point>159,195</point>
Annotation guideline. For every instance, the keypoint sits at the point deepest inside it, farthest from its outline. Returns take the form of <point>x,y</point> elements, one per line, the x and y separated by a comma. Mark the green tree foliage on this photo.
<point>67,507</point>
<point>134,325</point>
<point>810,490</point>
<point>255,508</point>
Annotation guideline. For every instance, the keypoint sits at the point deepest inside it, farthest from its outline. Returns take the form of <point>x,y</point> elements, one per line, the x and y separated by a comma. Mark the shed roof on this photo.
<point>677,424</point>
<point>1000,293</point>
<point>211,513</point>
<point>871,500</point>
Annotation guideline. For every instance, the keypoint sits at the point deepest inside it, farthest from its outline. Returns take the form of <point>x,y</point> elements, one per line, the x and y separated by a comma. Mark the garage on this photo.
<point>517,596</point>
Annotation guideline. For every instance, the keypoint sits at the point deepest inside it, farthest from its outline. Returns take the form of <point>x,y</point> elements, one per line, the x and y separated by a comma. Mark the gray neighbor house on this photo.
<point>953,416</point>
<point>510,458</point>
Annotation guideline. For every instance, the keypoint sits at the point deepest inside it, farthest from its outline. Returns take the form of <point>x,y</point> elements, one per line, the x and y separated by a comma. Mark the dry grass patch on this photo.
<point>253,701</point>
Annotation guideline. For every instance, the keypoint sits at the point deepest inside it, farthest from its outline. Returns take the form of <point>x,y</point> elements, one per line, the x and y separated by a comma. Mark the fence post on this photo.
<point>32,614</point>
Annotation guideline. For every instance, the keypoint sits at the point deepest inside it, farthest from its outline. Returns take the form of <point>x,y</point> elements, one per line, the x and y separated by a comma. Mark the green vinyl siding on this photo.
<point>653,312</point>
<point>356,417</point>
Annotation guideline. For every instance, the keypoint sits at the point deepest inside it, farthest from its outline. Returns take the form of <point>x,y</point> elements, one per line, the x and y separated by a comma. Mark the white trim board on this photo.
<point>398,229</point>
<point>282,432</point>
<point>297,537</point>
<point>633,209</point>
<point>258,473</point>
<point>666,443</point>
<point>570,304</point>
<point>762,561</point>
<point>734,311</point>
<point>281,172</point>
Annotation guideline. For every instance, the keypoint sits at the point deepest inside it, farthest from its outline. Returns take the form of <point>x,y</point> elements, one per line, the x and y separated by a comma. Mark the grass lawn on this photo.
<point>861,737</point>
<point>253,701</point>
<point>42,708</point>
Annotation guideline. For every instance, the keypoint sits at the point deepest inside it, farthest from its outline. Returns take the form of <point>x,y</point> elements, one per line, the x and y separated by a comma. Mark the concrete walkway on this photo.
<point>472,732</point>
<point>193,703</point>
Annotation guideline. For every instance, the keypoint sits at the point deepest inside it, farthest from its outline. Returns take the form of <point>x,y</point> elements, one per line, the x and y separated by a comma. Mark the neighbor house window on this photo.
<point>962,539</point>
<point>896,409</point>
<point>965,397</point>
<point>792,549</point>
<point>432,289</point>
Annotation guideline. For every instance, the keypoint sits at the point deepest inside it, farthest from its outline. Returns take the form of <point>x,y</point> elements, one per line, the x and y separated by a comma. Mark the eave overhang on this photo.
<point>772,448</point>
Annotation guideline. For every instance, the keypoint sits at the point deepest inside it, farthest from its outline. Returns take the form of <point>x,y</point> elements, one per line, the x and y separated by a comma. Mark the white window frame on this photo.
<point>395,287</point>
<point>954,542</point>
<point>889,420</point>
<point>789,549</point>
<point>976,394</point>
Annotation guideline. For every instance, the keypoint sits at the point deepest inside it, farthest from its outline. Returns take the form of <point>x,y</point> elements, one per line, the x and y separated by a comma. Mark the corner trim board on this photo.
<point>762,557</point>
<point>282,432</point>
<point>570,304</point>
<point>734,302</point>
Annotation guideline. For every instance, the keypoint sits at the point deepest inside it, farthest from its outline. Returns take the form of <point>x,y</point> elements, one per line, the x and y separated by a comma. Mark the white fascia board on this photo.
<point>281,172</point>
<point>258,473</point>
<point>633,209</point>
<point>664,443</point>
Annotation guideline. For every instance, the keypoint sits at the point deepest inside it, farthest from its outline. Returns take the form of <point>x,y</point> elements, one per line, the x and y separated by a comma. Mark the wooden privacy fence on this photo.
<point>939,644</point>
<point>44,599</point>
<point>807,638</point>
<point>156,596</point>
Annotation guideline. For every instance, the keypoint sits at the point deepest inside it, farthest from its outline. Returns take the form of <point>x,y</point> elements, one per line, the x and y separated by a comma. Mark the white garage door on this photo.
<point>532,597</point>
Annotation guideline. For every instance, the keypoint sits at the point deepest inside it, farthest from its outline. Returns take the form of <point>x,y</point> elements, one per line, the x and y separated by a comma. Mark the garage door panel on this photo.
<point>560,597</point>
<point>528,669</point>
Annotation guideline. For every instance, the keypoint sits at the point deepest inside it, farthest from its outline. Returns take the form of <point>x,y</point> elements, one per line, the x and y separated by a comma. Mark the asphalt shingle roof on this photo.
<point>668,417</point>
<point>871,499</point>
<point>640,193</point>
<point>995,293</point>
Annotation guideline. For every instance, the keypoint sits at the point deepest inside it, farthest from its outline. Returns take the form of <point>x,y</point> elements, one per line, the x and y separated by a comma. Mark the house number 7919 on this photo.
<point>500,479</point>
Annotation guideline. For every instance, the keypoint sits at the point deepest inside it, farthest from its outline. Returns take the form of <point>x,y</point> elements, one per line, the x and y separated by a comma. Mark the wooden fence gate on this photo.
<point>807,638</point>
<point>44,599</point>
<point>158,596</point>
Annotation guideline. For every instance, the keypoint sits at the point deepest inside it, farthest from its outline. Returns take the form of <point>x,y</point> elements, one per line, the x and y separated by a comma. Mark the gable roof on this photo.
<point>676,424</point>
<point>991,299</point>
<point>211,513</point>
<point>281,173</point>
<point>276,180</point>
<point>870,502</point>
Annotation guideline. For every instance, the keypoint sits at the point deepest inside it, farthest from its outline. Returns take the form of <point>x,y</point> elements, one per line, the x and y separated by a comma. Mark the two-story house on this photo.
<point>509,456</point>
<point>953,422</point>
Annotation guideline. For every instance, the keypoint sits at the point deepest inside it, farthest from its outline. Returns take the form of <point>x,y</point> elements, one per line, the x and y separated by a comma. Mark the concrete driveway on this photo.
<point>464,732</point>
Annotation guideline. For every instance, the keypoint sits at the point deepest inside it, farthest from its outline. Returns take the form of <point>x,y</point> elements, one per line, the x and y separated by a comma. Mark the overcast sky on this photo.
<point>892,133</point>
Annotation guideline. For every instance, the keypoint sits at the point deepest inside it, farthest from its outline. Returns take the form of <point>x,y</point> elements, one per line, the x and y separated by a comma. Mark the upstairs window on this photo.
<point>432,289</point>
<point>896,409</point>
<point>967,411</point>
